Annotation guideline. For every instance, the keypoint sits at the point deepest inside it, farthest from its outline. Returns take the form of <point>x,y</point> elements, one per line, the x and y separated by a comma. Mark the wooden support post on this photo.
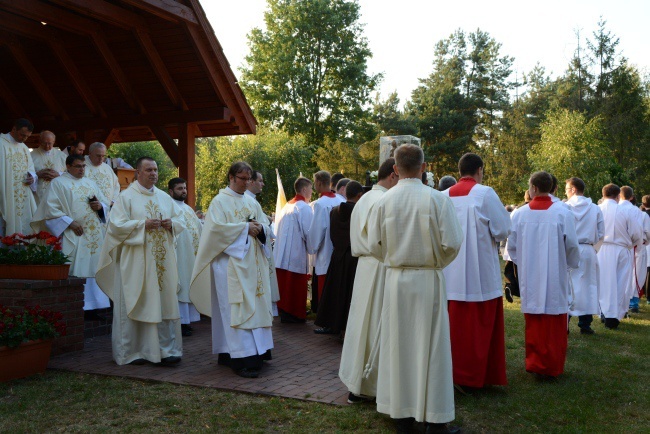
<point>186,160</point>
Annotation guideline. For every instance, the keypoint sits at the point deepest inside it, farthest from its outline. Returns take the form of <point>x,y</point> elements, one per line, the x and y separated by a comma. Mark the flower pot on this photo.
<point>34,272</point>
<point>27,359</point>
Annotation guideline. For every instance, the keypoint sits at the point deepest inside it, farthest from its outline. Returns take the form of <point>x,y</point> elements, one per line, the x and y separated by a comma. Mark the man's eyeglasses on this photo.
<point>243,179</point>
<point>82,166</point>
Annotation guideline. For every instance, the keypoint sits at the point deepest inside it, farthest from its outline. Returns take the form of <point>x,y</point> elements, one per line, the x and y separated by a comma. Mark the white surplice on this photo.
<point>319,243</point>
<point>640,254</point>
<point>362,329</point>
<point>187,246</point>
<point>105,178</point>
<point>590,228</point>
<point>616,257</point>
<point>230,280</point>
<point>544,245</point>
<point>137,269</point>
<point>290,251</point>
<point>416,233</point>
<point>53,159</point>
<point>66,201</point>
<point>17,204</point>
<point>475,274</point>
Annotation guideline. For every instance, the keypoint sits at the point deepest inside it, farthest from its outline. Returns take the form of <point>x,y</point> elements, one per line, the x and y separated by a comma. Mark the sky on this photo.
<point>402,34</point>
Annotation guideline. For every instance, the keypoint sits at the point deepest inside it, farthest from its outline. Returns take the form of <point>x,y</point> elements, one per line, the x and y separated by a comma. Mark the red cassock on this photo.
<point>293,292</point>
<point>546,343</point>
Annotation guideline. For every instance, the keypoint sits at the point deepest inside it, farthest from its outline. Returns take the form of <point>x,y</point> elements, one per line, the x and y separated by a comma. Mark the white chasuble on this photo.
<point>17,204</point>
<point>105,178</point>
<point>416,233</point>
<point>187,245</point>
<point>361,334</point>
<point>53,159</point>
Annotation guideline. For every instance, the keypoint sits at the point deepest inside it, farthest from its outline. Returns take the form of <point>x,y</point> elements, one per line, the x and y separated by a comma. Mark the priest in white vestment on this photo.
<point>187,246</point>
<point>415,233</point>
<point>473,281</point>
<point>590,228</point>
<point>616,256</point>
<point>101,172</point>
<point>362,332</point>
<point>319,243</point>
<point>76,208</point>
<point>49,162</point>
<point>230,281</point>
<point>77,147</point>
<point>138,271</point>
<point>18,180</point>
<point>544,245</point>
<point>290,253</point>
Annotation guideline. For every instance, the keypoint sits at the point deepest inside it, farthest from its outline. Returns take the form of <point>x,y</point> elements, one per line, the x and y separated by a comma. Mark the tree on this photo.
<point>306,72</point>
<point>390,119</point>
<point>130,152</point>
<point>604,56</point>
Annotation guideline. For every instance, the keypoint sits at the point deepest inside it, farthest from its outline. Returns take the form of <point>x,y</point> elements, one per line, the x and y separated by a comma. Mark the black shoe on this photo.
<point>186,330</point>
<point>169,361</point>
<point>138,362</point>
<point>634,310</point>
<point>248,373</point>
<point>404,426</point>
<point>441,428</point>
<point>587,331</point>
<point>325,331</point>
<point>224,359</point>
<point>357,399</point>
<point>287,318</point>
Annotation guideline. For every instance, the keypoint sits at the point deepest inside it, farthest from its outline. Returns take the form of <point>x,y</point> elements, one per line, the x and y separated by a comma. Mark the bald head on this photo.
<point>46,140</point>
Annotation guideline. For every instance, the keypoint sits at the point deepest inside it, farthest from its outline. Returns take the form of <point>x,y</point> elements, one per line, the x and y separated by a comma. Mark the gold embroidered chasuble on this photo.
<point>187,246</point>
<point>141,263</point>
<point>68,196</point>
<point>55,159</point>
<point>17,204</point>
<point>249,291</point>
<point>105,178</point>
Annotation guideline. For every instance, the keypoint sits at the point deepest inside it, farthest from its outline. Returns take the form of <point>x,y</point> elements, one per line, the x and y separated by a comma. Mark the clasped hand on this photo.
<point>151,224</point>
<point>254,229</point>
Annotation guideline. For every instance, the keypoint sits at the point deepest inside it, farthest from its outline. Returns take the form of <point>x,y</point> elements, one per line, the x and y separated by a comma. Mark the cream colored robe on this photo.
<point>17,204</point>
<point>416,233</point>
<point>367,298</point>
<point>138,271</point>
<point>105,178</point>
<point>187,245</point>
<point>54,159</point>
<point>249,291</point>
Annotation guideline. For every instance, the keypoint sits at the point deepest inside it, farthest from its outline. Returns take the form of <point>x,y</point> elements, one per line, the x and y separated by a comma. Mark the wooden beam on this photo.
<point>111,136</point>
<point>166,142</point>
<point>42,12</point>
<point>105,12</point>
<point>169,10</point>
<point>187,160</point>
<point>35,78</point>
<point>218,114</point>
<point>160,69</point>
<point>13,104</point>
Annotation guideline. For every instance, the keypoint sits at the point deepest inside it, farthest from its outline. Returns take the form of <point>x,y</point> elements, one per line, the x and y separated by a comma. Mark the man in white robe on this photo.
<point>187,246</point>
<point>77,147</point>
<point>101,173</point>
<point>49,162</point>
<point>473,280</point>
<point>616,256</point>
<point>290,253</point>
<point>230,281</point>
<point>544,245</point>
<point>74,207</point>
<point>18,180</point>
<point>590,228</point>
<point>138,271</point>
<point>415,233</point>
<point>319,243</point>
<point>362,333</point>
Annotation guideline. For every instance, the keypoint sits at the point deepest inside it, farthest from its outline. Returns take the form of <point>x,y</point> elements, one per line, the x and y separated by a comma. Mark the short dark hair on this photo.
<point>554,185</point>
<point>323,177</point>
<point>300,183</point>
<point>446,182</point>
<point>542,180</point>
<point>469,164</point>
<point>174,182</point>
<point>386,168</point>
<point>352,189</point>
<point>576,183</point>
<point>342,183</point>
<point>254,175</point>
<point>645,200</point>
<point>138,164</point>
<point>238,167</point>
<point>24,123</point>
<point>627,192</point>
<point>611,190</point>
<point>76,142</point>
<point>70,159</point>
<point>409,158</point>
<point>336,178</point>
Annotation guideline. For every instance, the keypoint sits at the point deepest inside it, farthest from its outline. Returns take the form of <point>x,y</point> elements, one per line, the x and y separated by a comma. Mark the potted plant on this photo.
<point>37,256</point>
<point>26,340</point>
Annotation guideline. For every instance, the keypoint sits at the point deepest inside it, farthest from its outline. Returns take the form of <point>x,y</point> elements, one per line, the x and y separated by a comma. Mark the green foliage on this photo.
<point>570,146</point>
<point>266,151</point>
<point>390,120</point>
<point>130,152</point>
<point>306,71</point>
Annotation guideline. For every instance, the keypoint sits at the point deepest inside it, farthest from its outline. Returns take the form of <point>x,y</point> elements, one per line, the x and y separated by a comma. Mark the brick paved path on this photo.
<point>304,366</point>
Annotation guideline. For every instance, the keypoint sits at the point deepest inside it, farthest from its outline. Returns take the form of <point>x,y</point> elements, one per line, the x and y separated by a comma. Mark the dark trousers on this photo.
<point>584,321</point>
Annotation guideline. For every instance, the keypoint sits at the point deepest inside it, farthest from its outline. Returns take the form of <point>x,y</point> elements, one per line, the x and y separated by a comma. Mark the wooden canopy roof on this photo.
<point>118,71</point>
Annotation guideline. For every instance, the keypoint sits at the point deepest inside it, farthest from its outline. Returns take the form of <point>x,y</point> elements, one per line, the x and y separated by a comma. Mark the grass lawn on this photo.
<point>605,389</point>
